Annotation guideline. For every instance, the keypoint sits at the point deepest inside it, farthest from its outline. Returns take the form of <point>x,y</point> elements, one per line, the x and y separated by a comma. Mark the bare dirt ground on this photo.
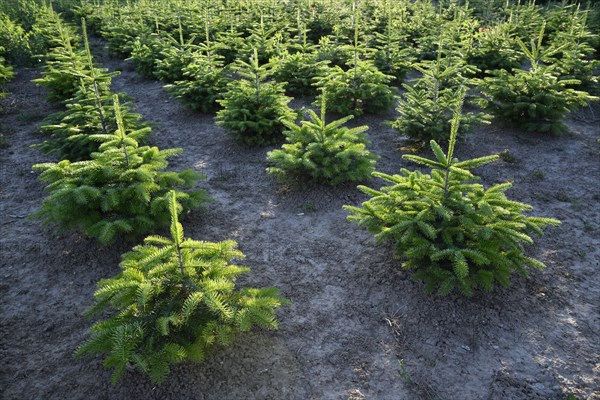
<point>358,327</point>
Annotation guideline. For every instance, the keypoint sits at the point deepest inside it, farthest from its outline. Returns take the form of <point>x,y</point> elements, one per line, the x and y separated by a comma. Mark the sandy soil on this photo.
<point>358,327</point>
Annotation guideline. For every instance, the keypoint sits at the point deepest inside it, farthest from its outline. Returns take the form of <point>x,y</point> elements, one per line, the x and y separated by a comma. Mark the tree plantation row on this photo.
<point>176,297</point>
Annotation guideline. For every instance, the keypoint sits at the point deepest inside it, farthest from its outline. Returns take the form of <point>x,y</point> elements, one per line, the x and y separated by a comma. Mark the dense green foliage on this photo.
<point>65,67</point>
<point>361,89</point>
<point>6,74</point>
<point>175,300</point>
<point>427,106</point>
<point>299,71</point>
<point>267,41</point>
<point>574,58</point>
<point>452,232</point>
<point>320,151</point>
<point>536,98</point>
<point>89,112</point>
<point>299,65</point>
<point>146,51</point>
<point>255,110</point>
<point>368,45</point>
<point>28,28</point>
<point>70,131</point>
<point>173,58</point>
<point>204,79</point>
<point>14,41</point>
<point>494,48</point>
<point>121,191</point>
<point>121,33</point>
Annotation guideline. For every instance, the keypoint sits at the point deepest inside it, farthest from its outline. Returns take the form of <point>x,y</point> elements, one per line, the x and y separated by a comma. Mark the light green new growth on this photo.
<point>321,151</point>
<point>174,300</point>
<point>255,109</point>
<point>454,234</point>
<point>121,191</point>
<point>537,98</point>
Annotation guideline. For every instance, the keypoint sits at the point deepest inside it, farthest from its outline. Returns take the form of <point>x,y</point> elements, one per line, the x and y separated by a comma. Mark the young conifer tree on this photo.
<point>453,233</point>
<point>15,41</point>
<point>334,50</point>
<point>120,31</point>
<point>173,302</point>
<point>205,77</point>
<point>393,55</point>
<point>494,48</point>
<point>64,68</point>
<point>320,151</point>
<point>299,71</point>
<point>43,25</point>
<point>426,108</point>
<point>577,59</point>
<point>229,41</point>
<point>70,131</point>
<point>121,191</point>
<point>299,66</point>
<point>6,73</point>
<point>360,89</point>
<point>89,112</point>
<point>254,108</point>
<point>146,51</point>
<point>267,41</point>
<point>536,98</point>
<point>525,17</point>
<point>322,20</point>
<point>175,55</point>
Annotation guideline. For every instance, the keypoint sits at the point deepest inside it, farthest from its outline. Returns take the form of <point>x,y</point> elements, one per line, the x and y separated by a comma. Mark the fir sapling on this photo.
<point>15,41</point>
<point>362,88</point>
<point>6,74</point>
<point>525,18</point>
<point>321,23</point>
<point>299,71</point>
<point>204,82</point>
<point>63,69</point>
<point>266,41</point>
<point>334,51</point>
<point>393,55</point>
<point>174,301</point>
<point>68,69</point>
<point>229,41</point>
<point>298,36</point>
<point>426,107</point>
<point>120,192</point>
<point>494,48</point>
<point>536,98</point>
<point>175,55</point>
<point>204,78</point>
<point>452,233</point>
<point>577,59</point>
<point>359,90</point>
<point>145,53</point>
<point>255,109</point>
<point>320,151</point>
<point>299,65</point>
<point>70,131</point>
<point>121,31</point>
<point>89,112</point>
